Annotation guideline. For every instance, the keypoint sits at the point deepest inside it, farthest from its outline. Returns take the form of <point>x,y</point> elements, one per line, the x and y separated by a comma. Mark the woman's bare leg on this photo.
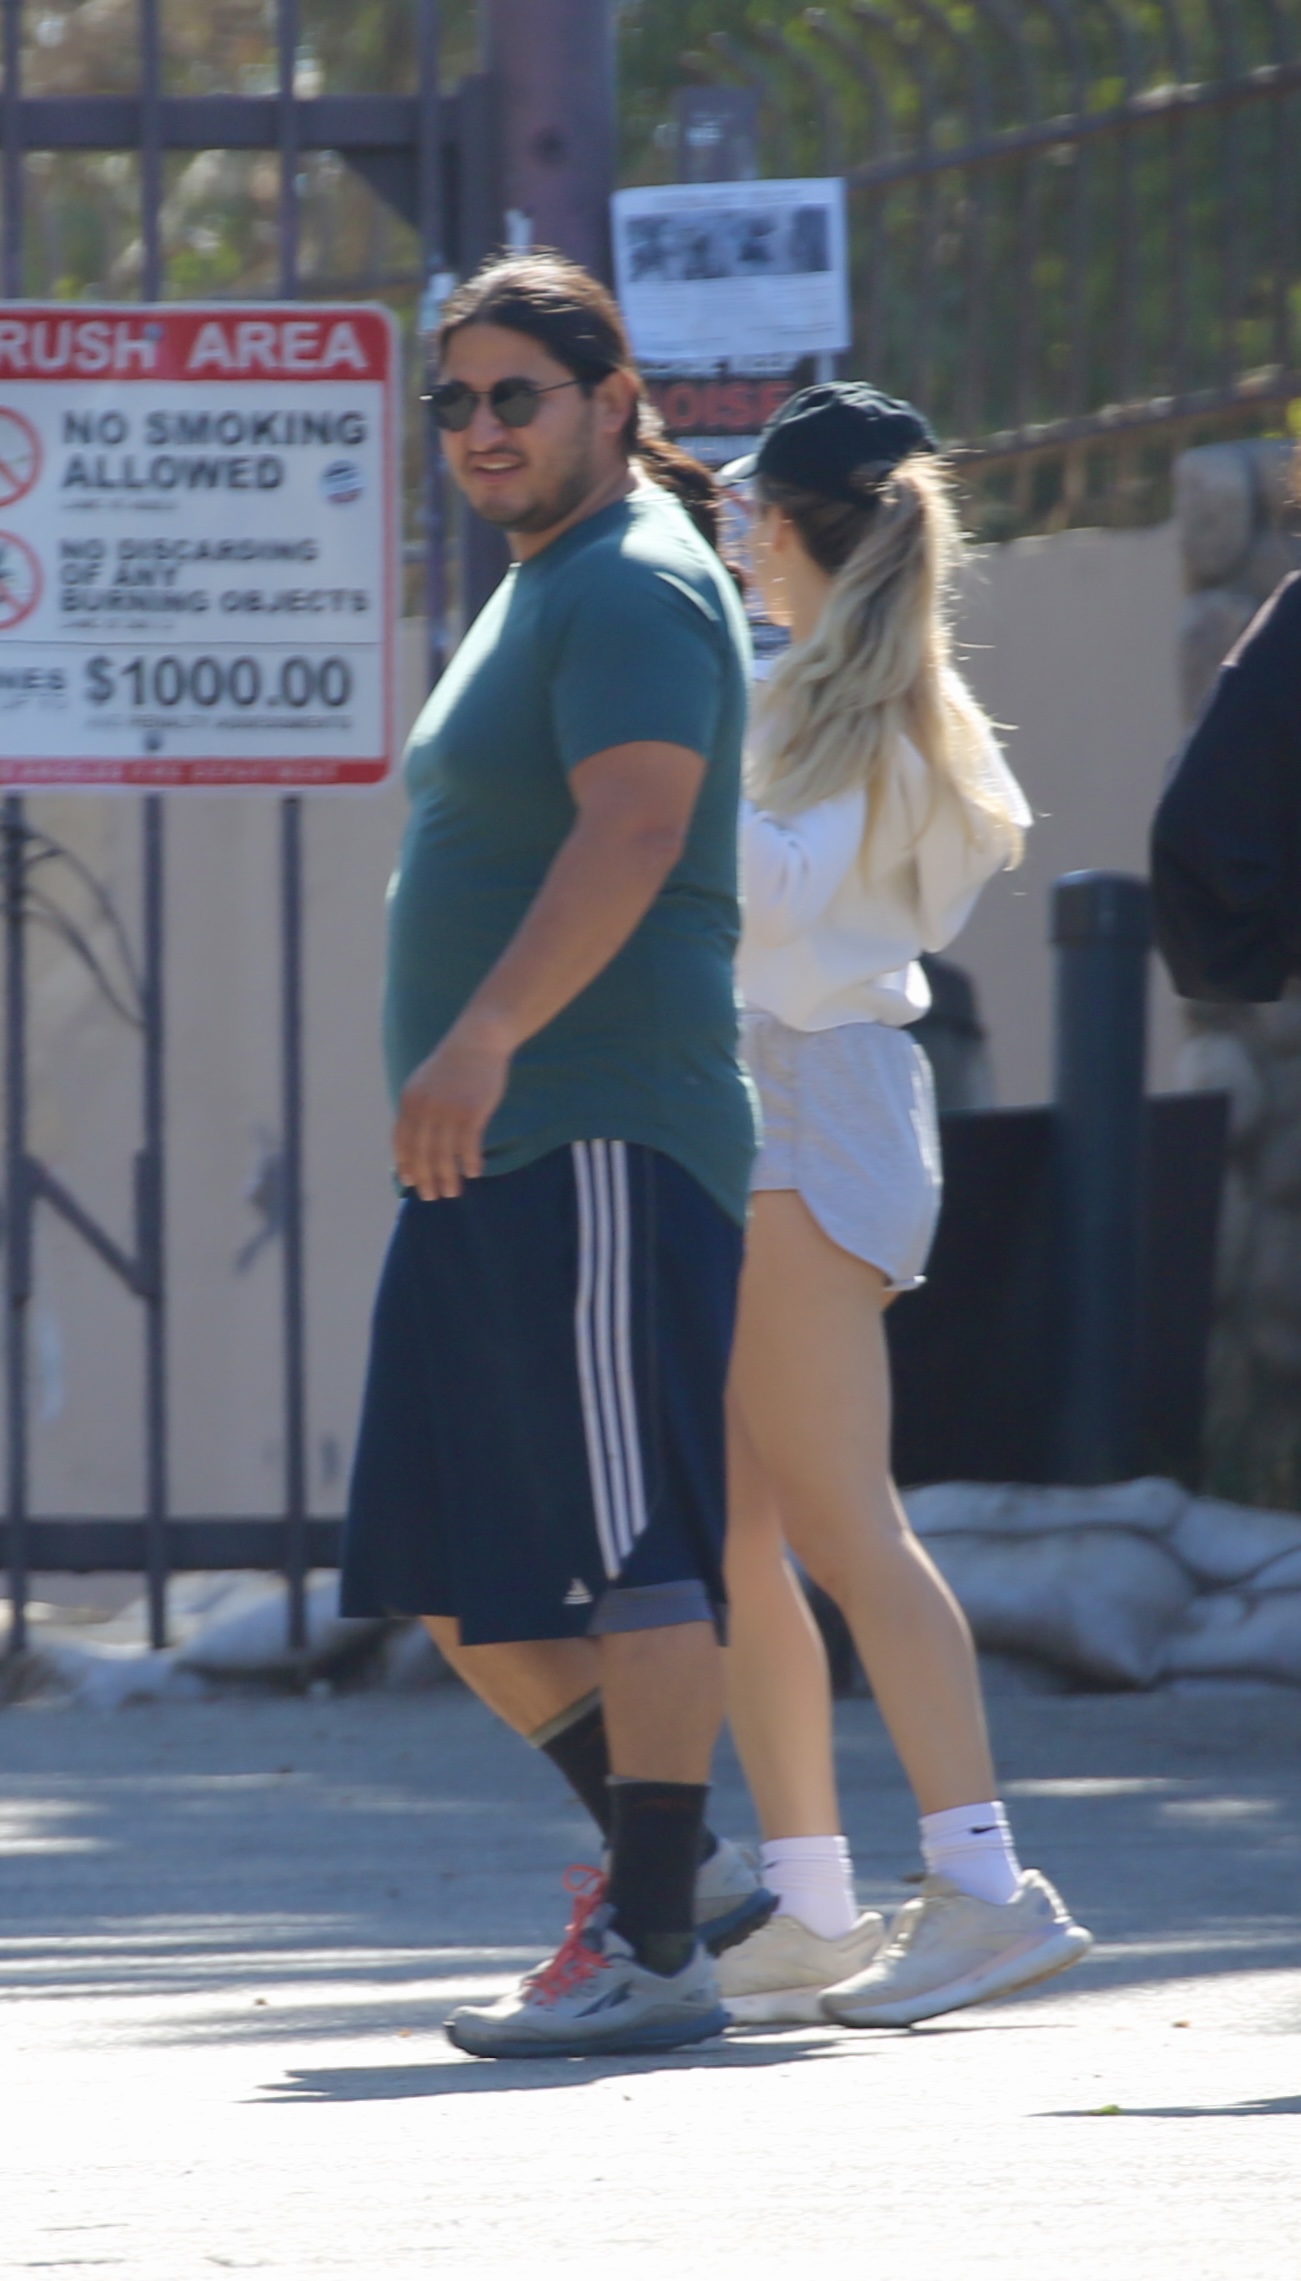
<point>810,1378</point>
<point>778,1686</point>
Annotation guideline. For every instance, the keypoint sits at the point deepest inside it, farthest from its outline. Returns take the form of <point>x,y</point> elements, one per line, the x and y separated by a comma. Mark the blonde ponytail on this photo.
<point>878,668</point>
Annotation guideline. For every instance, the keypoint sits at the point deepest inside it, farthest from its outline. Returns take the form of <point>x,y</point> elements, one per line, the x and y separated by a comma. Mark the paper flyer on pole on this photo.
<point>732,270</point>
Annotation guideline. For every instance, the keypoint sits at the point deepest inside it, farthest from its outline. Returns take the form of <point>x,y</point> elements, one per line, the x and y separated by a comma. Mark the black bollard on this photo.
<point>1101,930</point>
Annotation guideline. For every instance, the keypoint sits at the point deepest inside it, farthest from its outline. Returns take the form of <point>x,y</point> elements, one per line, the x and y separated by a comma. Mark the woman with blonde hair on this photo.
<point>879,806</point>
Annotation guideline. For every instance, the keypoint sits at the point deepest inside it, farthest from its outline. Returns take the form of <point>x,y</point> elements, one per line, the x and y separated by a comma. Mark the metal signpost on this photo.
<point>729,290</point>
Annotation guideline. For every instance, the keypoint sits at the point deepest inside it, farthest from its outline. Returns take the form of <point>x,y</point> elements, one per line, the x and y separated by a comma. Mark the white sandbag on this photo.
<point>1149,1507</point>
<point>1223,1544</point>
<point>1102,1602</point>
<point>249,1635</point>
<point>1282,1575</point>
<point>1249,1635</point>
<point>196,1596</point>
<point>107,1678</point>
<point>193,1598</point>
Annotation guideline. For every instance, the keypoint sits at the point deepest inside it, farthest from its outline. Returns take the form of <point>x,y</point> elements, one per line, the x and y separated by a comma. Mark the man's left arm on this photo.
<point>634,803</point>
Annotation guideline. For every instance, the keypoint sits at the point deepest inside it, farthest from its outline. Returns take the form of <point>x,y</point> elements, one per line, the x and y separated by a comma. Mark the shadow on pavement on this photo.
<point>329,2086</point>
<point>257,1981</point>
<point>1248,2110</point>
<point>253,1872</point>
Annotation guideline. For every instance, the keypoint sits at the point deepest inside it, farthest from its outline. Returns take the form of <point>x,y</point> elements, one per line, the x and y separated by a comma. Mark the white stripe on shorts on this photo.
<point>623,1337</point>
<point>603,1335</point>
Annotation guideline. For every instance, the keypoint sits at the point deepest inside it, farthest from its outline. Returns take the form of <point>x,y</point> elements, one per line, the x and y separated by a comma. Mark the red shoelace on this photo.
<point>575,1960</point>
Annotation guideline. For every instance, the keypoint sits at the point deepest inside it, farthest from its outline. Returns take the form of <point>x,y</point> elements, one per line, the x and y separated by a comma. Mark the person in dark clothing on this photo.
<point>540,1462</point>
<point>1226,839</point>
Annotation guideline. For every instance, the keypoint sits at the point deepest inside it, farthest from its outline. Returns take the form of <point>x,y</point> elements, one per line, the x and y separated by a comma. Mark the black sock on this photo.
<point>576,1744</point>
<point>655,1838</point>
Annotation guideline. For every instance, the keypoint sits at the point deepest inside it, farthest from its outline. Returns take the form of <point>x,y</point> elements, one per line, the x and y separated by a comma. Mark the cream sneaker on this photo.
<point>776,1977</point>
<point>946,1950</point>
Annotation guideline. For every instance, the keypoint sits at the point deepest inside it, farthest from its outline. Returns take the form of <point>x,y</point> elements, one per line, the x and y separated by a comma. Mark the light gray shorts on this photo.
<point>849,1123</point>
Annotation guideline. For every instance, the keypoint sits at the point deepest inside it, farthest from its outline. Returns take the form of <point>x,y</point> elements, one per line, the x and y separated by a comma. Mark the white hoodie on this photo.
<point>828,938</point>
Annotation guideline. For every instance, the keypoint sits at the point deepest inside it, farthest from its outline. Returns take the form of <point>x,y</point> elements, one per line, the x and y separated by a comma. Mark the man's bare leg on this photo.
<point>529,1683</point>
<point>663,1693</point>
<point>662,1689</point>
<point>632,1966</point>
<point>548,1690</point>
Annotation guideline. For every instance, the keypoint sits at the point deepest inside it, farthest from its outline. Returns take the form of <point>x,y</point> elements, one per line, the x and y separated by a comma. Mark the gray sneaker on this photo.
<point>731,1899</point>
<point>593,1997</point>
<point>946,1951</point>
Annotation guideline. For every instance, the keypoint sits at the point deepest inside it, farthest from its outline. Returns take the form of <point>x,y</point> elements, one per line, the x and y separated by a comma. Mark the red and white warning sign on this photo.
<point>198,545</point>
<point>20,457</point>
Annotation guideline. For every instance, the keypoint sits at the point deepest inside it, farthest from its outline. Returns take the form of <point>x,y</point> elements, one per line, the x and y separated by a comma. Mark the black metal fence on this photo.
<point>1074,222</point>
<point>397,143</point>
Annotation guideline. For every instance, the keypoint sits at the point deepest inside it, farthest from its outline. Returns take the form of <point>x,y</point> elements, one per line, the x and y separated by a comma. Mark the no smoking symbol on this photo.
<point>20,581</point>
<point>20,456</point>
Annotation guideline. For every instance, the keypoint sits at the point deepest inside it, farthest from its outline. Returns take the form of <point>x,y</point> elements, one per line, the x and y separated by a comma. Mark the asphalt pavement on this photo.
<point>229,1932</point>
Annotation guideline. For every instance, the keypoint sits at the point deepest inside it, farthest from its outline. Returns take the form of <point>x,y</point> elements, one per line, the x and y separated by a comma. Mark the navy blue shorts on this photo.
<point>541,1451</point>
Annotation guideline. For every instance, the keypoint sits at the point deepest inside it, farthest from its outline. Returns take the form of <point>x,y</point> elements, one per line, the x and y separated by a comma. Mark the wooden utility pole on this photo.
<point>551,63</point>
<point>546,168</point>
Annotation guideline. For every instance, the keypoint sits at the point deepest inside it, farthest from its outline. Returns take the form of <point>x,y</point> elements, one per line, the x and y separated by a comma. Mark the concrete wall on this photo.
<point>1072,639</point>
<point>1071,644</point>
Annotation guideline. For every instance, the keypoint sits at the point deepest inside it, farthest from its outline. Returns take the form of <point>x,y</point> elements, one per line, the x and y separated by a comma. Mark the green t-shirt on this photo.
<point>626,629</point>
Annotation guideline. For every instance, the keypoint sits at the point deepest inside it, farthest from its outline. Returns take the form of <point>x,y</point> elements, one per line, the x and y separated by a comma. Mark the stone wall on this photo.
<point>1239,515</point>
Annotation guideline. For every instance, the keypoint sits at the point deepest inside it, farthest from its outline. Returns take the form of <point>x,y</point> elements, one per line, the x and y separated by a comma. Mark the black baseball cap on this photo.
<point>839,438</point>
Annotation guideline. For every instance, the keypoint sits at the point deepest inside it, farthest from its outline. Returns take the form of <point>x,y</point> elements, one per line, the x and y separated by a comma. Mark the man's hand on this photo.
<point>445,1107</point>
<point>634,806</point>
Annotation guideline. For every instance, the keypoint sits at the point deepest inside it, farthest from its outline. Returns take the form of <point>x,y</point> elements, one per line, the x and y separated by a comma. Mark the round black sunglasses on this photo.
<point>514,402</point>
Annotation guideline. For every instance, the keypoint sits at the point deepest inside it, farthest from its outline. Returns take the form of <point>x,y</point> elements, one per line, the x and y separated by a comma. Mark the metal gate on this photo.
<point>425,158</point>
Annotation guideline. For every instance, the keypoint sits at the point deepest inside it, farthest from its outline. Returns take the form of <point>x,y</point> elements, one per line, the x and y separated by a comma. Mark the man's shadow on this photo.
<point>436,2079</point>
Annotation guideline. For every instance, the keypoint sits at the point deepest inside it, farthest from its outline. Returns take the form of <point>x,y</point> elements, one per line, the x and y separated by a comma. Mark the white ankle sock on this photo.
<point>972,1846</point>
<point>813,1878</point>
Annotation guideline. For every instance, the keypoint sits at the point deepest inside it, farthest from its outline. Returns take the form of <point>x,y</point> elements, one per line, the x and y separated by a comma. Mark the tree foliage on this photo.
<point>1079,276</point>
<point>1128,266</point>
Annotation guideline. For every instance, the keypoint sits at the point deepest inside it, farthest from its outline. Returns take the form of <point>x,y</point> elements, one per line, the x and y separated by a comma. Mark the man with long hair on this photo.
<point>541,1452</point>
